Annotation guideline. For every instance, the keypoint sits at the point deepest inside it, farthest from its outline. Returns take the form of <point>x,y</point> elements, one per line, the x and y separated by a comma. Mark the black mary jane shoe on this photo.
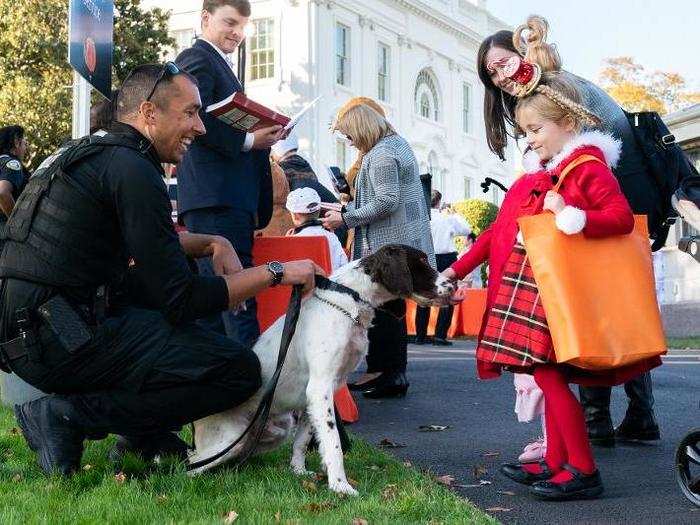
<point>367,385</point>
<point>582,486</point>
<point>394,384</point>
<point>517,473</point>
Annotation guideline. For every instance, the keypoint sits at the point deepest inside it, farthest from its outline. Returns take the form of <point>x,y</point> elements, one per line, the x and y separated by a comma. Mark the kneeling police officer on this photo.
<point>97,298</point>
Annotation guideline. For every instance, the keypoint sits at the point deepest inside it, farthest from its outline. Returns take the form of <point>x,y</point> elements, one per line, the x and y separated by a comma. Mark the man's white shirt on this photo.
<point>445,227</point>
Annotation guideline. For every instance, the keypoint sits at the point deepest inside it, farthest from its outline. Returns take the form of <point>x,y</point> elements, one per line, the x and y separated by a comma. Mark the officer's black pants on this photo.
<point>142,375</point>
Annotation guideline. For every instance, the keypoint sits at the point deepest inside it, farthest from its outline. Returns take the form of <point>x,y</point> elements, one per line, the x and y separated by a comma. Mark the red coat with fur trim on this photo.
<point>590,187</point>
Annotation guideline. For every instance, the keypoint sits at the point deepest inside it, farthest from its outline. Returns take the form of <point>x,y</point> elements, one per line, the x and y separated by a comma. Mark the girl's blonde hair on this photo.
<point>533,45</point>
<point>556,99</point>
<point>347,122</point>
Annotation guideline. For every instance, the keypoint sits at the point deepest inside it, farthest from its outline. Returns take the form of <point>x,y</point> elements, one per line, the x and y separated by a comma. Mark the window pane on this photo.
<point>262,52</point>
<point>342,53</point>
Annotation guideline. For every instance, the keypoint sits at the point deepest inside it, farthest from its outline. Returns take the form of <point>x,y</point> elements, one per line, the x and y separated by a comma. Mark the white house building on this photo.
<point>678,273</point>
<point>416,57</point>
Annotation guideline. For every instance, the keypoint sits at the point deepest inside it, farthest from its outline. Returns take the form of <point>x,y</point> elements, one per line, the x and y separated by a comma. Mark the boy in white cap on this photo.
<point>305,206</point>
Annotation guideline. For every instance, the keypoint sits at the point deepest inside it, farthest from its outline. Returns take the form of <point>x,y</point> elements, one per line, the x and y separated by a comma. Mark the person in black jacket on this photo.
<point>96,216</point>
<point>13,174</point>
<point>300,174</point>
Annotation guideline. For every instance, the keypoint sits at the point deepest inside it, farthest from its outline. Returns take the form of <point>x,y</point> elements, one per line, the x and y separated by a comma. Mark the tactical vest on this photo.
<point>57,234</point>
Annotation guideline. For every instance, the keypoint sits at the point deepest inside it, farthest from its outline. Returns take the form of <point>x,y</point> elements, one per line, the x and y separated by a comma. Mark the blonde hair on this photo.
<point>556,99</point>
<point>533,46</point>
<point>366,126</point>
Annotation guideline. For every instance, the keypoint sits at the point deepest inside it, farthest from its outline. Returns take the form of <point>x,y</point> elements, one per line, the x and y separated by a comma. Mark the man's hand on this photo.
<point>332,220</point>
<point>224,258</point>
<point>301,272</point>
<point>265,137</point>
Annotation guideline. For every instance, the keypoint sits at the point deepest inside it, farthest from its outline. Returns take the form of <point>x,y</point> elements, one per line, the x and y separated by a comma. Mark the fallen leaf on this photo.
<point>353,482</point>
<point>161,498</point>
<point>506,493</point>
<point>374,467</point>
<point>491,454</point>
<point>479,471</point>
<point>230,516</point>
<point>433,428</point>
<point>309,485</point>
<point>387,443</point>
<point>17,478</point>
<point>14,431</point>
<point>359,521</point>
<point>498,509</point>
<point>446,480</point>
<point>318,507</point>
<point>390,492</point>
<point>278,516</point>
<point>120,477</point>
<point>87,466</point>
<point>319,476</point>
<point>407,464</point>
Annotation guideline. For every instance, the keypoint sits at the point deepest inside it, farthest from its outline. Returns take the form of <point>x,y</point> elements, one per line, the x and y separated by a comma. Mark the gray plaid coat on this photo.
<point>389,206</point>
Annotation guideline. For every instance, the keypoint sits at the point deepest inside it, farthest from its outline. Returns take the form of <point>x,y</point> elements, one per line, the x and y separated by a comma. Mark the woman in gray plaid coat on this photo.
<point>389,208</point>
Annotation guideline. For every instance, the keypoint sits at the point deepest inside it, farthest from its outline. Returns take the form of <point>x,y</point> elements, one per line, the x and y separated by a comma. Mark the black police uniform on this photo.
<point>147,367</point>
<point>13,171</point>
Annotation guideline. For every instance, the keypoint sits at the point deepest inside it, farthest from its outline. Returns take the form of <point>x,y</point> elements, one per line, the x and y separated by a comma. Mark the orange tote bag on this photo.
<point>598,294</point>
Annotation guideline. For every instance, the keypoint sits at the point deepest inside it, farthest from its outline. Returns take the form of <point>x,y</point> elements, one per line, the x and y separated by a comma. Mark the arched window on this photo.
<point>426,97</point>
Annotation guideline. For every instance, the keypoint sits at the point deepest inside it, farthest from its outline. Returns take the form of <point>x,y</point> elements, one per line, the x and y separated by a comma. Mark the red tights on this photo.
<point>567,438</point>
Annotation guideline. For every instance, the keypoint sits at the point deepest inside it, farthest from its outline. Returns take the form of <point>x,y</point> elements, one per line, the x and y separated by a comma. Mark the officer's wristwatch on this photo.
<point>277,270</point>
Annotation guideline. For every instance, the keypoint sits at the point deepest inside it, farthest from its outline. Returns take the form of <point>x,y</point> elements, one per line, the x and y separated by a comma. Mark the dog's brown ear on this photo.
<point>388,266</point>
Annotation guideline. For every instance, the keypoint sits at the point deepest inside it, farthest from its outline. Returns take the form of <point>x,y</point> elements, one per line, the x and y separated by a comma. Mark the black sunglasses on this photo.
<point>170,69</point>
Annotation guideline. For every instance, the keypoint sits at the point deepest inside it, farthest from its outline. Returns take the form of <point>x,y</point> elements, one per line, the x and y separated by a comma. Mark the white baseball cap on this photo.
<point>303,200</point>
<point>289,143</point>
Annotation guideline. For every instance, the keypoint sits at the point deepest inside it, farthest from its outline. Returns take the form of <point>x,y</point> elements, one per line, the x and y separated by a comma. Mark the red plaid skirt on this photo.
<point>516,332</point>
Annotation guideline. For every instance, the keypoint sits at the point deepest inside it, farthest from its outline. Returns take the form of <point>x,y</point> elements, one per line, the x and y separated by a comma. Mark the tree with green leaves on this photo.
<point>35,77</point>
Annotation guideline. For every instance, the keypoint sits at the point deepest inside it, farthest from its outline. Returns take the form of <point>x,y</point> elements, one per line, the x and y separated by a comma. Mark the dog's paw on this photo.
<point>342,487</point>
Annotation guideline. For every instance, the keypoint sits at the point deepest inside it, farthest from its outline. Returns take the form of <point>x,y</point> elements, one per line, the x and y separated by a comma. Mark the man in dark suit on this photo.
<point>224,180</point>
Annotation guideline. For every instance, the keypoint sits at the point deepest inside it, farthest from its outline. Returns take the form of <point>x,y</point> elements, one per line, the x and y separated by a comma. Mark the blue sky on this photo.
<point>659,34</point>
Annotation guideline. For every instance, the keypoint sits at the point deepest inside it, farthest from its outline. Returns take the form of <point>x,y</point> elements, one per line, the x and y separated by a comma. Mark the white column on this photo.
<point>81,106</point>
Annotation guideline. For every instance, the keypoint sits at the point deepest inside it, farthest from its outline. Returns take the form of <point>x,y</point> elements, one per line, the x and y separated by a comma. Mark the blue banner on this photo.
<point>91,24</point>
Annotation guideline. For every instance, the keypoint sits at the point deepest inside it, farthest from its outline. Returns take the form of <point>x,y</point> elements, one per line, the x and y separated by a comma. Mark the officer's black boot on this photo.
<point>149,446</point>
<point>52,429</point>
<point>596,408</point>
<point>639,423</point>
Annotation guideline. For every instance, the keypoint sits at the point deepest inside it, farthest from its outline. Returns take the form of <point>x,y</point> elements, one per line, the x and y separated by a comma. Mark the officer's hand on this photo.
<point>301,272</point>
<point>265,137</point>
<point>224,258</point>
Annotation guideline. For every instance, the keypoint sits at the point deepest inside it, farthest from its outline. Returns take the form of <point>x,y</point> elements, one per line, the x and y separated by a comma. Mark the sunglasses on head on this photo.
<point>170,69</point>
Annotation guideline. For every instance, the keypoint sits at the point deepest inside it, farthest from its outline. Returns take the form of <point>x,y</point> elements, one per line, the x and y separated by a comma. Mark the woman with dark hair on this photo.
<point>13,174</point>
<point>529,41</point>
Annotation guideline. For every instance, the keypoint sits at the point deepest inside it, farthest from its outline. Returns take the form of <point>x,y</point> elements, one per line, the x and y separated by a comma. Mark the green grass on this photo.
<point>683,342</point>
<point>264,491</point>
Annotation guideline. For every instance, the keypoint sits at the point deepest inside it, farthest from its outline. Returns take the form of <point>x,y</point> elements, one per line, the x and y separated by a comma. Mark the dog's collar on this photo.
<point>326,284</point>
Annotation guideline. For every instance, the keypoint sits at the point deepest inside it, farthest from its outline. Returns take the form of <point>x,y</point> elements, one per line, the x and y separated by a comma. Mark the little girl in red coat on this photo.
<point>589,201</point>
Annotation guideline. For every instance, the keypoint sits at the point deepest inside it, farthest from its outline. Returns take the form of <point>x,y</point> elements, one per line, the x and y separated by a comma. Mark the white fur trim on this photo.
<point>570,220</point>
<point>531,162</point>
<point>609,145</point>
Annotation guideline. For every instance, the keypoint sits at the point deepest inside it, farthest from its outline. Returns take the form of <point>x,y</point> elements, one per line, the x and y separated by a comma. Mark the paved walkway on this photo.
<point>640,487</point>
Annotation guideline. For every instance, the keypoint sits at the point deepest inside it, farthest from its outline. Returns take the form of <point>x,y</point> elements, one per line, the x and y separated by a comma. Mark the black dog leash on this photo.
<point>257,424</point>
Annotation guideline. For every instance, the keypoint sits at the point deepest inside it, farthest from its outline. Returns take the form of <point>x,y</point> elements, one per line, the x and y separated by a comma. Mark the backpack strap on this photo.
<point>574,163</point>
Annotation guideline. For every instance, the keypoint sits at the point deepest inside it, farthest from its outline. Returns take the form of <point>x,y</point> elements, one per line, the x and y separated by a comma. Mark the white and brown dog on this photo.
<point>329,343</point>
